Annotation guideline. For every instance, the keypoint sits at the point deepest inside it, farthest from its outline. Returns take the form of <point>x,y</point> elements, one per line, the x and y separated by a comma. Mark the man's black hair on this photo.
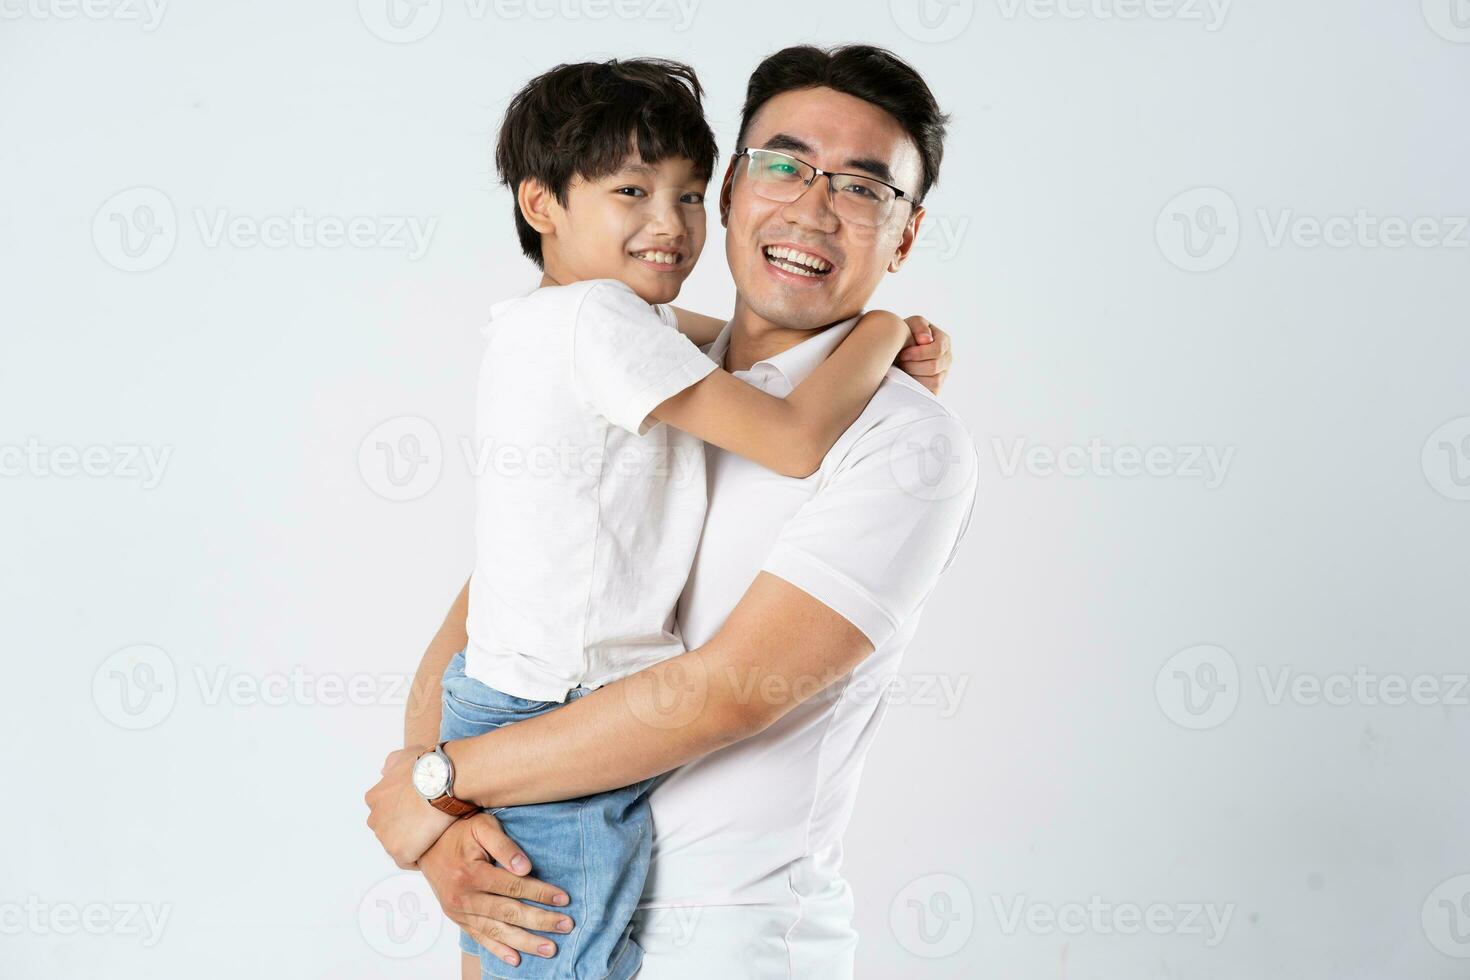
<point>865,72</point>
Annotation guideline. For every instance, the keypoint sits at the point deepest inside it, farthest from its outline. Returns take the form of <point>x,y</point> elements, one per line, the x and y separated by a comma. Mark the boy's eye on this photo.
<point>693,197</point>
<point>630,191</point>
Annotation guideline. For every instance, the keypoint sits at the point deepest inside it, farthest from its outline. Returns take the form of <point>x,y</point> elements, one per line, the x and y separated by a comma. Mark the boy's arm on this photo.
<point>792,435</point>
<point>697,327</point>
<point>421,717</point>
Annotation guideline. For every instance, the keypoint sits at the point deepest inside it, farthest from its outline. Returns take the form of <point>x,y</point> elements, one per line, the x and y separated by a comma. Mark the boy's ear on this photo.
<point>907,239</point>
<point>725,186</point>
<point>536,202</point>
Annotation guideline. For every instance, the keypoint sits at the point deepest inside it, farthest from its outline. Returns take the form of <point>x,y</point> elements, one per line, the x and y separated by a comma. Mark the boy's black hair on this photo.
<point>581,120</point>
<point>872,74</point>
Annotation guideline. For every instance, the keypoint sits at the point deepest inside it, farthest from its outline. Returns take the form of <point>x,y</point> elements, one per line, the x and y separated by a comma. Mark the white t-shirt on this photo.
<point>588,513</point>
<point>746,878</point>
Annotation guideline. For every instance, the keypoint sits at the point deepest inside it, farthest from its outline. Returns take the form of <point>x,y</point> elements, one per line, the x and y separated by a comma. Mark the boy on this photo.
<point>589,512</point>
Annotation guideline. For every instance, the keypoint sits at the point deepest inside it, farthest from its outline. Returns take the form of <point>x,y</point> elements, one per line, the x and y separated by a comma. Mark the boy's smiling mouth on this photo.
<point>660,260</point>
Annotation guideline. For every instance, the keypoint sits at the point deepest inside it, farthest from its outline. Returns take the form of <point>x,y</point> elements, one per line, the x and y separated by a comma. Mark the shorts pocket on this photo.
<point>480,704</point>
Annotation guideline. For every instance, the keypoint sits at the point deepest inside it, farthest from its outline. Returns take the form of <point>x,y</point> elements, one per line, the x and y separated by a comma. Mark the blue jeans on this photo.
<point>596,848</point>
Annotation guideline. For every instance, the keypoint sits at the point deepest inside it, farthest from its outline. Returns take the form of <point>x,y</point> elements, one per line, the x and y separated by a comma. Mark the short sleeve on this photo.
<point>628,357</point>
<point>871,543</point>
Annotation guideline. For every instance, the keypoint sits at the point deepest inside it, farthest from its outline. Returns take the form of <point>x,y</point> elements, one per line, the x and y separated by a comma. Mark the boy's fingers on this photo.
<point>487,833</point>
<point>919,327</point>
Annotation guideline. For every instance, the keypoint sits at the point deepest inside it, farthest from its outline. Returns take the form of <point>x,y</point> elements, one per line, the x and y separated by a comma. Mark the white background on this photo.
<point>263,553</point>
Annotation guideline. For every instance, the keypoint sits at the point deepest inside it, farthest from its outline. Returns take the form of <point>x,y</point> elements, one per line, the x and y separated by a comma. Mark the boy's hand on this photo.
<point>927,360</point>
<point>403,821</point>
<point>489,901</point>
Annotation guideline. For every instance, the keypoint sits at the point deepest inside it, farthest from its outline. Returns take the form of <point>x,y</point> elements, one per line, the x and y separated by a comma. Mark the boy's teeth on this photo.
<point>795,260</point>
<point>663,258</point>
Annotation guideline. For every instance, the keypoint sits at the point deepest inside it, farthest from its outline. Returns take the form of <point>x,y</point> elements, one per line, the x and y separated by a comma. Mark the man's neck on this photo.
<point>754,338</point>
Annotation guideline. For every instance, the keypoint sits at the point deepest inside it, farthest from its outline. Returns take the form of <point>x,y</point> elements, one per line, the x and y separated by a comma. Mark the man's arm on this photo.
<point>778,648</point>
<point>421,717</point>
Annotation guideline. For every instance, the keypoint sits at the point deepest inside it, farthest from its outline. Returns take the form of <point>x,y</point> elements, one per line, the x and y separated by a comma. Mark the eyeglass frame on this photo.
<point>899,193</point>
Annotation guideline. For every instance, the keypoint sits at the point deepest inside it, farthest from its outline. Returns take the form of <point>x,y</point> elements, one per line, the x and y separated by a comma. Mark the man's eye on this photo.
<point>782,169</point>
<point>861,191</point>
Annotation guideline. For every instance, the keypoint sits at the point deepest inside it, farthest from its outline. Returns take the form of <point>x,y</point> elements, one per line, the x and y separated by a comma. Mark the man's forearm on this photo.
<point>778,648</point>
<point>421,716</point>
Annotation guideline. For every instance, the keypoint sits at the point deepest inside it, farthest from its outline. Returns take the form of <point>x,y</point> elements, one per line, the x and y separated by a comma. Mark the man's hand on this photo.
<point>489,902</point>
<point>928,359</point>
<point>403,821</point>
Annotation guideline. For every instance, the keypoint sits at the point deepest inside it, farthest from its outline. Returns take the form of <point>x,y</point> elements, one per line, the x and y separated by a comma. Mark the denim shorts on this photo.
<point>596,848</point>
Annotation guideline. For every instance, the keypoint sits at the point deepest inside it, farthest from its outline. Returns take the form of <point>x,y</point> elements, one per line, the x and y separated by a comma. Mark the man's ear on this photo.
<point>536,204</point>
<point>725,187</point>
<point>907,239</point>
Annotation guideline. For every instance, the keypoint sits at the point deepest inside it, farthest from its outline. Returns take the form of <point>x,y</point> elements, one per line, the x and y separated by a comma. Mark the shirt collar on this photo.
<point>795,363</point>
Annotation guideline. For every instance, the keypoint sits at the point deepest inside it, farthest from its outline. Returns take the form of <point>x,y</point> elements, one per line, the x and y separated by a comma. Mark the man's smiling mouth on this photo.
<point>796,261</point>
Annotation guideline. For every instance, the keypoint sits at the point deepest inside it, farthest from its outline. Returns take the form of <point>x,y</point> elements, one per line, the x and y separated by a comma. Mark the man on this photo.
<point>802,598</point>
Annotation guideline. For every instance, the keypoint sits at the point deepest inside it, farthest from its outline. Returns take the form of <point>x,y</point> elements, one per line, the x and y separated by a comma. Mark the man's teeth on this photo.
<point>798,262</point>
<point>662,258</point>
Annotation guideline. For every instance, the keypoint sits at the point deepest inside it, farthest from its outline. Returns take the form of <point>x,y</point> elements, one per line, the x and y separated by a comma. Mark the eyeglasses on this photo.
<point>781,177</point>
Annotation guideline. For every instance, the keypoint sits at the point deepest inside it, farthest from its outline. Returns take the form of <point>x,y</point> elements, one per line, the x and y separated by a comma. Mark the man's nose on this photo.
<point>814,208</point>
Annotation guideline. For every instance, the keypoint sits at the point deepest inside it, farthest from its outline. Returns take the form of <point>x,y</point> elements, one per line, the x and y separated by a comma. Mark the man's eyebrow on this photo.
<point>785,141</point>
<point>795,144</point>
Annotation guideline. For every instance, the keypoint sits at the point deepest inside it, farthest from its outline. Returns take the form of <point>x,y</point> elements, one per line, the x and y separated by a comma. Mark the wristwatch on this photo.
<point>433,777</point>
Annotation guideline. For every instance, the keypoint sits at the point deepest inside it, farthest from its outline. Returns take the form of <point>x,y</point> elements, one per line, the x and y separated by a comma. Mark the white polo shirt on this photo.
<point>586,516</point>
<point>746,878</point>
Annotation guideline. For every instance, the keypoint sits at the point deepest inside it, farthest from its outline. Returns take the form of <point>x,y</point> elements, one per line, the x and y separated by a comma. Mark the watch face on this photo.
<point>430,776</point>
